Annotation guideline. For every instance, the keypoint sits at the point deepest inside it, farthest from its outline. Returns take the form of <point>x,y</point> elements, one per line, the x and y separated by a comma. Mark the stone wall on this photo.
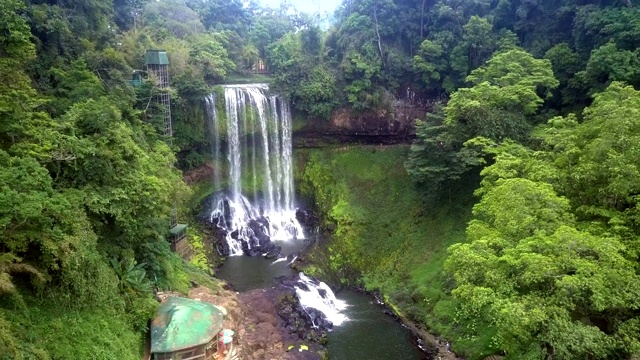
<point>393,125</point>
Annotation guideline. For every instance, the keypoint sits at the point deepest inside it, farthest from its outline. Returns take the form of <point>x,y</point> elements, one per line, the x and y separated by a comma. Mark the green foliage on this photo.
<point>48,331</point>
<point>594,27</point>
<point>552,257</point>
<point>564,60</point>
<point>536,277</point>
<point>498,106</point>
<point>299,76</point>
<point>360,72</point>
<point>172,17</point>
<point>386,239</point>
<point>131,276</point>
<point>315,95</point>
<point>429,63</point>
<point>431,47</point>
<point>608,63</point>
<point>437,156</point>
<point>508,81</point>
<point>9,264</point>
<point>596,160</point>
<point>222,15</point>
<point>209,53</point>
<point>84,180</point>
<point>267,29</point>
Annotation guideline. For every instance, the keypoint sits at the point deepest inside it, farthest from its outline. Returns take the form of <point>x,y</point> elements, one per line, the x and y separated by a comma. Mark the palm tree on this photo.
<point>9,264</point>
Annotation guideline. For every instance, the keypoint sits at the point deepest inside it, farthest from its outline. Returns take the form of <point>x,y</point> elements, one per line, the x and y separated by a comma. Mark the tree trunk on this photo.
<point>422,20</point>
<point>375,21</point>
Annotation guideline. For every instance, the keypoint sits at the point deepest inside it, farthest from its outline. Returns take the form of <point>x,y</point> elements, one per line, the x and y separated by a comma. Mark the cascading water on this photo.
<point>257,135</point>
<point>254,204</point>
<point>317,295</point>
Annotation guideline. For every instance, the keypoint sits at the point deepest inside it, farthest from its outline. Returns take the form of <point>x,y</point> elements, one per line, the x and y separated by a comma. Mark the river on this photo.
<point>367,334</point>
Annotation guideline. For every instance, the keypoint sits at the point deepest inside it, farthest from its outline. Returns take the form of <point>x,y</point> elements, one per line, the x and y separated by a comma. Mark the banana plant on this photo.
<point>131,276</point>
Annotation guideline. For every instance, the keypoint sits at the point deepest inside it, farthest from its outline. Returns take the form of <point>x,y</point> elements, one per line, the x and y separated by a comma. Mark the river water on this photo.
<point>367,333</point>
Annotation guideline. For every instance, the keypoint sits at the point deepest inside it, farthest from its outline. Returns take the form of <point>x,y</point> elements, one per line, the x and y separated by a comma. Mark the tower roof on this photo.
<point>156,57</point>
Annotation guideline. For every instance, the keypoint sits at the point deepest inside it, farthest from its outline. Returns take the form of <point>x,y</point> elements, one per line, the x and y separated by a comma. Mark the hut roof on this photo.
<point>183,323</point>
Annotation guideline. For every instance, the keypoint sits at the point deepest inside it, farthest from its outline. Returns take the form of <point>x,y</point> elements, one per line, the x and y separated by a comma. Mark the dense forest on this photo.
<point>538,99</point>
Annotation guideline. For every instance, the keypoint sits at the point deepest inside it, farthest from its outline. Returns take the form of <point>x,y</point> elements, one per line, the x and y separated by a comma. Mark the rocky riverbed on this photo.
<point>269,323</point>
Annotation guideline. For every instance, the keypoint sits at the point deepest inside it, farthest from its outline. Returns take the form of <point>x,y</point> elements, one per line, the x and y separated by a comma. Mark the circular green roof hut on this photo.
<point>185,329</point>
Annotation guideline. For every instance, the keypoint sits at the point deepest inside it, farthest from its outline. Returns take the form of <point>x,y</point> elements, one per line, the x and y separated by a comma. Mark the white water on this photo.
<point>280,259</point>
<point>328,304</point>
<point>258,147</point>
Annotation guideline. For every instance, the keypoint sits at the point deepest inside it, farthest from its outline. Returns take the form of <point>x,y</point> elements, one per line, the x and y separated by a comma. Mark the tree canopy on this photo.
<point>552,256</point>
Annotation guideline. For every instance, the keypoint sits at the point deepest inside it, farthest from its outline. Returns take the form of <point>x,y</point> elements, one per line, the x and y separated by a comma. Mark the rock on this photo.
<point>251,252</point>
<point>222,248</point>
<point>307,219</point>
<point>260,230</point>
<point>268,331</point>
<point>258,354</point>
<point>330,227</point>
<point>272,251</point>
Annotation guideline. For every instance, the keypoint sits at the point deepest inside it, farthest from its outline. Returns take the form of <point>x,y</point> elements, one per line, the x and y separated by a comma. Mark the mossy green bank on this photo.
<point>388,237</point>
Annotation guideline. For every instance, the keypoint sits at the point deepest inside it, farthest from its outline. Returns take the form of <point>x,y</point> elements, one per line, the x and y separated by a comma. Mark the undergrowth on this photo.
<point>390,237</point>
<point>46,330</point>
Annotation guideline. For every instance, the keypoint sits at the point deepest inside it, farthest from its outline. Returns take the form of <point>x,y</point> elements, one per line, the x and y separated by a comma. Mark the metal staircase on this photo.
<point>157,66</point>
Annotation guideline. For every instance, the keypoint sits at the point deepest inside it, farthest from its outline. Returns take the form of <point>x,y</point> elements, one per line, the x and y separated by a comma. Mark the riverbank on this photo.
<point>260,331</point>
<point>387,239</point>
<point>387,236</point>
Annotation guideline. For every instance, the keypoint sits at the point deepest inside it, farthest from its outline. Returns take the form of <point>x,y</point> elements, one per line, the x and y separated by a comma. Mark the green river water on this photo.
<point>367,334</point>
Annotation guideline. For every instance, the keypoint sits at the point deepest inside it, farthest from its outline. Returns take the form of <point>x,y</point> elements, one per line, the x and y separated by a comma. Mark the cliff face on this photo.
<point>384,126</point>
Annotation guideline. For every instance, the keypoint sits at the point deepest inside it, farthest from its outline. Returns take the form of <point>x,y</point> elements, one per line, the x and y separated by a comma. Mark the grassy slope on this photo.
<point>395,240</point>
<point>50,327</point>
<point>46,330</point>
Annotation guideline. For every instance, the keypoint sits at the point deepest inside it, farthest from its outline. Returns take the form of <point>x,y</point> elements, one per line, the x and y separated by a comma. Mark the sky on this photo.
<point>309,6</point>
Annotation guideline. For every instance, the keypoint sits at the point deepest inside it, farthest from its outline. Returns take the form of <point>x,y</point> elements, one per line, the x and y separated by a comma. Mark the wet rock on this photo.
<point>222,248</point>
<point>322,293</point>
<point>308,323</point>
<point>259,229</point>
<point>250,251</point>
<point>307,219</point>
<point>268,336</point>
<point>330,227</point>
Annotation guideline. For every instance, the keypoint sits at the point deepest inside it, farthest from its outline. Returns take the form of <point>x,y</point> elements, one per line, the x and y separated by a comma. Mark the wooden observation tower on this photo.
<point>156,64</point>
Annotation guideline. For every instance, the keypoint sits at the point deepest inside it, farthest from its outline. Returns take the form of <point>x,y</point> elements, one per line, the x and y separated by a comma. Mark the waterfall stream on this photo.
<point>258,158</point>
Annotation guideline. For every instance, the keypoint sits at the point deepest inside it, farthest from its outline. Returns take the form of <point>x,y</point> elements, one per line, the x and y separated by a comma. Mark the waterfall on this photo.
<point>257,133</point>
<point>212,112</point>
<point>314,294</point>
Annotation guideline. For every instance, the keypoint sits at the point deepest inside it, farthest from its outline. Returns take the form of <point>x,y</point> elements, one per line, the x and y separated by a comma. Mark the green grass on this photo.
<point>390,237</point>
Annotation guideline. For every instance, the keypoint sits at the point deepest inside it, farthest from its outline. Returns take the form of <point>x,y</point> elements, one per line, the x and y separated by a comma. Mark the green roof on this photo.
<point>178,229</point>
<point>183,323</point>
<point>156,57</point>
